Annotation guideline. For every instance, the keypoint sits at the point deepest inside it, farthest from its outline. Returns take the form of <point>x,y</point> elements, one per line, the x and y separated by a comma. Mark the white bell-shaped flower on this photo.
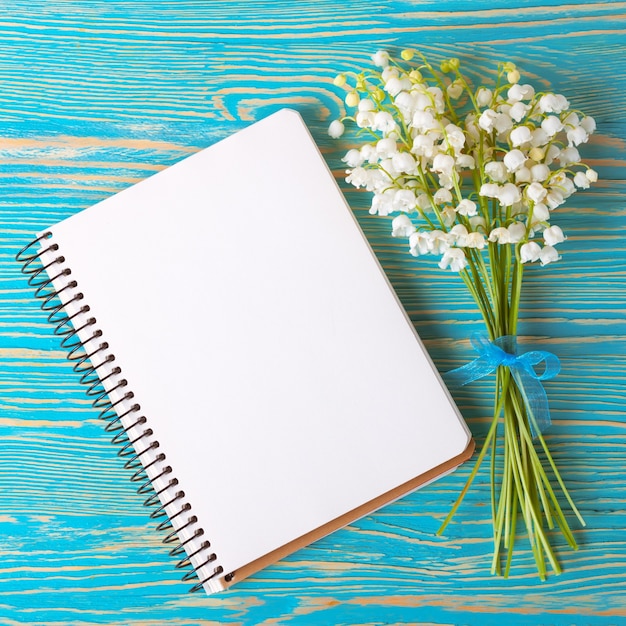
<point>467,207</point>
<point>529,252</point>
<point>523,175</point>
<point>588,123</point>
<point>541,213</point>
<point>520,136</point>
<point>336,129</point>
<point>536,192</point>
<point>568,155</point>
<point>548,254</point>
<point>517,232</point>
<point>369,154</point>
<point>454,258</point>
<point>475,240</point>
<point>389,72</point>
<point>458,235</point>
<point>483,96</point>
<point>553,235</point>
<point>419,243</point>
<point>423,201</point>
<point>552,153</point>
<point>489,190</point>
<point>514,160</point>
<point>364,119</point>
<point>576,136</point>
<point>465,161</point>
<point>381,58</point>
<point>443,163</point>
<point>520,92</point>
<point>539,172</point>
<point>366,105</point>
<point>384,122</point>
<point>424,145</point>
<point>554,199</point>
<point>487,120</point>
<point>404,162</point>
<point>552,103</point>
<point>455,90</point>
<point>497,171</point>
<point>382,203</point>
<point>438,241</point>
<point>404,200</point>
<point>500,235</point>
<point>455,137</point>
<point>503,123</point>
<point>442,196</point>
<point>402,226</point>
<point>386,147</point>
<point>551,125</point>
<point>478,223</point>
<point>518,111</point>
<point>509,194</point>
<point>539,137</point>
<point>353,158</point>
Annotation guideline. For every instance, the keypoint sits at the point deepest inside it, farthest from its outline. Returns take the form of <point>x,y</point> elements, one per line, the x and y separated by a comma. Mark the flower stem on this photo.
<point>524,489</point>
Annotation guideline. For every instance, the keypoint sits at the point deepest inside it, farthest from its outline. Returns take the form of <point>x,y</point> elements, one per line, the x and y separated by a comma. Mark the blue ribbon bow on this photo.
<point>503,352</point>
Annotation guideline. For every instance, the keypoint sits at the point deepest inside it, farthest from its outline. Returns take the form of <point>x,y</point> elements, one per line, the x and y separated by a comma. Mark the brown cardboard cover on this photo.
<point>351,516</point>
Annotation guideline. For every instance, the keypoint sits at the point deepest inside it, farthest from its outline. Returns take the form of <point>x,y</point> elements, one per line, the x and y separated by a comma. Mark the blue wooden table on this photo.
<point>97,95</point>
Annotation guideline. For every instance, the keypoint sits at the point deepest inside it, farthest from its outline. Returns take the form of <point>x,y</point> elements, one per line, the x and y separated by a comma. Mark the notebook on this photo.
<point>254,366</point>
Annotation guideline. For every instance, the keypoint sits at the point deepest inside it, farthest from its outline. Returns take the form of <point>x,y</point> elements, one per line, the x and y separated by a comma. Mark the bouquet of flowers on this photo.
<point>474,177</point>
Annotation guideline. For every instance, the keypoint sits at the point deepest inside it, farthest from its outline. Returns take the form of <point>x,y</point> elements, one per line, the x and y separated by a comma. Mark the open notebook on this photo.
<point>251,349</point>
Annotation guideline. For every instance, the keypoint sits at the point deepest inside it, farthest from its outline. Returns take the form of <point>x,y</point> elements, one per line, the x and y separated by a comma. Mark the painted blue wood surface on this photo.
<point>98,95</point>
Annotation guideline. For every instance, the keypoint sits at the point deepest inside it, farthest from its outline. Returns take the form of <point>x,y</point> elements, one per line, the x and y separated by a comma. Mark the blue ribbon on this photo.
<point>503,352</point>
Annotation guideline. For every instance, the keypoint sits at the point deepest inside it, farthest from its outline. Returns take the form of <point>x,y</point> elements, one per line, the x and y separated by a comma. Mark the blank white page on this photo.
<point>258,332</point>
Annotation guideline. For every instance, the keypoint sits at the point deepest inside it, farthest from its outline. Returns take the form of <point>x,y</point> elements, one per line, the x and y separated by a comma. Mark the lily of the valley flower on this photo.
<point>476,178</point>
<point>402,226</point>
<point>454,258</point>
<point>494,177</point>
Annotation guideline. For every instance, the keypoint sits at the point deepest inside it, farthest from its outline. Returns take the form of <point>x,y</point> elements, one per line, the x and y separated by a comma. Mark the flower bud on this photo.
<point>483,96</point>
<point>378,95</point>
<point>407,54</point>
<point>340,80</point>
<point>352,99</point>
<point>336,129</point>
<point>513,77</point>
<point>455,90</point>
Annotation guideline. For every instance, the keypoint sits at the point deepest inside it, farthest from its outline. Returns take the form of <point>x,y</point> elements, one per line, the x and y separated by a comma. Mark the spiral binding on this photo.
<point>136,442</point>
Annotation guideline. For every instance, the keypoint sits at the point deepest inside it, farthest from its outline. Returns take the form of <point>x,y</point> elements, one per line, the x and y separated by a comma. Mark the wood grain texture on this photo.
<point>98,95</point>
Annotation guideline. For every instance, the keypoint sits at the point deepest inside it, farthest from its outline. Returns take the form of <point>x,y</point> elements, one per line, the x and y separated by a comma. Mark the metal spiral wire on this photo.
<point>81,353</point>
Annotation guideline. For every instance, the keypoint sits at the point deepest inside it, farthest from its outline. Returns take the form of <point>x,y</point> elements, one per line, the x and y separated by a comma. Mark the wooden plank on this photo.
<point>97,96</point>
